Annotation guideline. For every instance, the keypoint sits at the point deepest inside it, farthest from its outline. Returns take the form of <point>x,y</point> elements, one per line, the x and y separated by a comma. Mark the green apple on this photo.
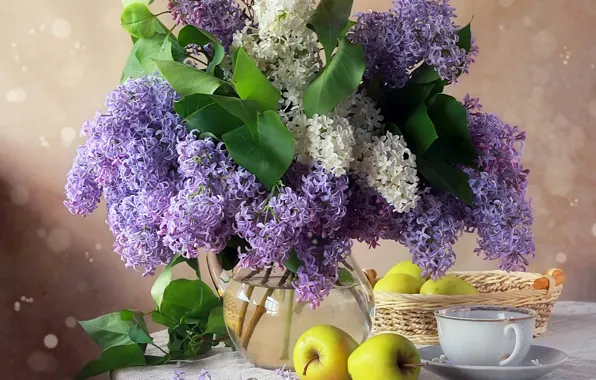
<point>321,353</point>
<point>448,285</point>
<point>398,283</point>
<point>408,267</point>
<point>385,357</point>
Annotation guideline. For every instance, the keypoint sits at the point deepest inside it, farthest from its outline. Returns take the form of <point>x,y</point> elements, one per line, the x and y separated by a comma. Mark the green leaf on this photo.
<point>454,152</point>
<point>251,84</point>
<point>401,103</point>
<point>132,315</point>
<point>450,118</point>
<point>108,330</point>
<point>328,21</point>
<point>425,74</point>
<point>202,112</point>
<point>138,20</point>
<point>451,123</point>
<point>138,335</point>
<point>157,317</point>
<point>194,264</point>
<point>349,26</point>
<point>465,37</point>
<point>184,296</point>
<point>216,323</point>
<point>164,279</point>
<point>113,358</point>
<point>293,262</point>
<point>187,80</point>
<point>266,151</point>
<point>228,258</point>
<point>245,110</point>
<point>344,276</point>
<point>140,59</point>
<point>447,178</point>
<point>339,78</point>
<point>419,130</point>
<point>193,35</point>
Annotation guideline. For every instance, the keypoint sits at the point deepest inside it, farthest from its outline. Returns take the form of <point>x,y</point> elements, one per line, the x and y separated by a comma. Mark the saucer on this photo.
<point>548,359</point>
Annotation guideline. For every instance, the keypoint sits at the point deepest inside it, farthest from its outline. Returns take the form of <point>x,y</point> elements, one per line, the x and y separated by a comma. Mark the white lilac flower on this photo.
<point>278,18</point>
<point>365,117</point>
<point>290,62</point>
<point>326,139</point>
<point>389,167</point>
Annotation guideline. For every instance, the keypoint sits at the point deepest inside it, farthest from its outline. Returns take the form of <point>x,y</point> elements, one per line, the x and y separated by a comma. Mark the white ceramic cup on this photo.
<point>485,335</point>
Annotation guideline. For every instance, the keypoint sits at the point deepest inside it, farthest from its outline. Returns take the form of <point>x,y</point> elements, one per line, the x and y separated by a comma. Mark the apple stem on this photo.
<point>308,363</point>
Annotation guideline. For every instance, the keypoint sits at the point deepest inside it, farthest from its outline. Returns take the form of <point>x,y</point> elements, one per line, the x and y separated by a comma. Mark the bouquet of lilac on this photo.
<point>276,132</point>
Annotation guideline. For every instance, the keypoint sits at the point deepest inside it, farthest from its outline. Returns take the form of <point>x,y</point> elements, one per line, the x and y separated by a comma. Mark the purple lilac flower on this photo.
<point>204,375</point>
<point>414,31</point>
<point>271,227</point>
<point>135,223</point>
<point>82,191</point>
<point>430,230</point>
<point>321,258</point>
<point>222,18</point>
<point>328,197</point>
<point>179,375</point>
<point>370,217</point>
<point>202,214</point>
<point>285,374</point>
<point>502,213</point>
<point>130,155</point>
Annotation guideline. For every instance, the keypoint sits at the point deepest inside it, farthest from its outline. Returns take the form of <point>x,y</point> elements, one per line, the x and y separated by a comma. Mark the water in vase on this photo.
<point>265,321</point>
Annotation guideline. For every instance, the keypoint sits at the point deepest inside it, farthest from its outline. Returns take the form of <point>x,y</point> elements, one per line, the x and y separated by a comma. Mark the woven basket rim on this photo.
<point>538,294</point>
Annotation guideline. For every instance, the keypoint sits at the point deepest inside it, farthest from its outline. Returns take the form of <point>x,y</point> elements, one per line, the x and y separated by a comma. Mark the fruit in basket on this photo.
<point>408,267</point>
<point>385,357</point>
<point>448,285</point>
<point>322,352</point>
<point>398,283</point>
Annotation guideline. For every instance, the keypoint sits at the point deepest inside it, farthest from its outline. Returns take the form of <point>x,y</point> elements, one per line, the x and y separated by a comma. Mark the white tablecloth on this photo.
<point>572,328</point>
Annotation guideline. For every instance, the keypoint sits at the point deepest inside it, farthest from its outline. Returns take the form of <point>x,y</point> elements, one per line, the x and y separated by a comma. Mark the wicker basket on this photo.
<point>412,315</point>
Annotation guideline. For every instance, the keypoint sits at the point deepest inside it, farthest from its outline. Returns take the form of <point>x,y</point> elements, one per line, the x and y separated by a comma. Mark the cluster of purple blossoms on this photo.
<point>502,213</point>
<point>325,243</point>
<point>130,157</point>
<point>271,227</point>
<point>222,18</point>
<point>413,32</point>
<point>202,214</point>
<point>370,217</point>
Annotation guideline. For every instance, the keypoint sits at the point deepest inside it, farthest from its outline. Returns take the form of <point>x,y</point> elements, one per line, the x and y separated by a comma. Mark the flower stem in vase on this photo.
<point>260,310</point>
<point>289,313</point>
<point>244,307</point>
<point>299,307</point>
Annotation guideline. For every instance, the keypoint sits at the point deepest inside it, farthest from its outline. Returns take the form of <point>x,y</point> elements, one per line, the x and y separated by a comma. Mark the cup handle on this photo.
<point>520,343</point>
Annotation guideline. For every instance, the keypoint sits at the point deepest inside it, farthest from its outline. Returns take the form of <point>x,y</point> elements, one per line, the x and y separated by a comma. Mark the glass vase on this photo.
<point>265,321</point>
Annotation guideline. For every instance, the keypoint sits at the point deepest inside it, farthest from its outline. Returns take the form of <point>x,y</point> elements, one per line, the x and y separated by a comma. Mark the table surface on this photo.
<point>572,328</point>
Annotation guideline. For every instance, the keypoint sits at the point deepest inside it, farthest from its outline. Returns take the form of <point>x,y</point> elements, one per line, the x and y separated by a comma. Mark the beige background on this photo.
<point>59,58</point>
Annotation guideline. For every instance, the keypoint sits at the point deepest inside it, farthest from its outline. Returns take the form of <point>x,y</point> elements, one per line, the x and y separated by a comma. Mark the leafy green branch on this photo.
<point>190,310</point>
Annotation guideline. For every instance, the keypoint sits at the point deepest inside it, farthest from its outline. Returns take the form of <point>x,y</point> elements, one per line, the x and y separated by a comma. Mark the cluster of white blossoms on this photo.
<point>326,139</point>
<point>283,48</point>
<point>389,167</point>
<point>348,140</point>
